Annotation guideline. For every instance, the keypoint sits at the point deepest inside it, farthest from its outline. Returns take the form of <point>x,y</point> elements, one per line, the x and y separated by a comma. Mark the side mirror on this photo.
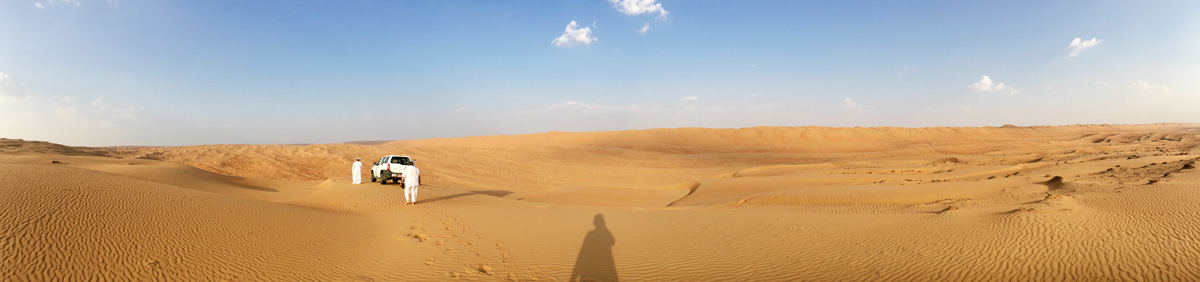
<point>375,163</point>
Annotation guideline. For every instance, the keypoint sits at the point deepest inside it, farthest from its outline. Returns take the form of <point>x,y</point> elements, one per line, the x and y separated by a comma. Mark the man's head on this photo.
<point>356,159</point>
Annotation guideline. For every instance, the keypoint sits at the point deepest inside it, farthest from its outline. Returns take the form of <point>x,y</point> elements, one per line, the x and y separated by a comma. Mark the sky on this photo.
<point>168,73</point>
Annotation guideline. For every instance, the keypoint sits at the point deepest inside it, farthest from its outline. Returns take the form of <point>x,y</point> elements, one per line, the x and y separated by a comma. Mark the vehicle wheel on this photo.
<point>373,177</point>
<point>383,177</point>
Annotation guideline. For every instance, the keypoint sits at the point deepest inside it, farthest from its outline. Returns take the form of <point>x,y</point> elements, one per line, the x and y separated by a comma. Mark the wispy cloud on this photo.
<point>961,109</point>
<point>11,90</point>
<point>1078,45</point>
<point>690,98</point>
<point>574,35</point>
<point>644,29</point>
<point>575,106</point>
<point>75,3</point>
<point>849,103</point>
<point>638,7</point>
<point>1142,87</point>
<point>104,109</point>
<point>66,112</point>
<point>985,84</point>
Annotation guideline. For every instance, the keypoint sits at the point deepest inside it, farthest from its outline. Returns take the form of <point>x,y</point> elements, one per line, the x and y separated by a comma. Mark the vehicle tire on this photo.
<point>383,177</point>
<point>373,179</point>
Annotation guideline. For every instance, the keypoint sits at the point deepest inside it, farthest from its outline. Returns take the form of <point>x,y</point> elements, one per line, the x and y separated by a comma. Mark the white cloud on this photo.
<point>1078,45</point>
<point>462,110</point>
<point>690,98</point>
<point>849,103</point>
<point>11,90</point>
<point>574,35</point>
<point>71,2</point>
<point>985,84</point>
<point>1142,87</point>
<point>108,110</point>
<point>638,7</point>
<point>644,29</point>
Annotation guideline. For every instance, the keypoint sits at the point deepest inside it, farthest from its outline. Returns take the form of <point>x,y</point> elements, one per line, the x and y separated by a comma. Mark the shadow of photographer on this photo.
<point>595,261</point>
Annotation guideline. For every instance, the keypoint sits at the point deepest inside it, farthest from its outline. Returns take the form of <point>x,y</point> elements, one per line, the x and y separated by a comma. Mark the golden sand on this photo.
<point>1097,202</point>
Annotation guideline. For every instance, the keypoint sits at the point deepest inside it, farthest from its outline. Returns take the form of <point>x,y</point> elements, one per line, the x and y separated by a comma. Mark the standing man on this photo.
<point>412,179</point>
<point>357,171</point>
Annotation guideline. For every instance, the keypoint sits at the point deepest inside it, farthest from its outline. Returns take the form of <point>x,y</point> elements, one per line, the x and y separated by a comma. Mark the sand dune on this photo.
<point>1094,202</point>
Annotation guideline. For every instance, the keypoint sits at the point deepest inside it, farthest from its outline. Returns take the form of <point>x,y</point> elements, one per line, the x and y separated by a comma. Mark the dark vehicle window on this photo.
<point>398,160</point>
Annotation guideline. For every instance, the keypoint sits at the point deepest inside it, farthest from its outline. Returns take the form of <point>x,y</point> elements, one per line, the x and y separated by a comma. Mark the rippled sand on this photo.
<point>1098,202</point>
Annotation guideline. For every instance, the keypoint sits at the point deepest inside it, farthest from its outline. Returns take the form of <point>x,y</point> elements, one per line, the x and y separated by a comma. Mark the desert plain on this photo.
<point>1011,203</point>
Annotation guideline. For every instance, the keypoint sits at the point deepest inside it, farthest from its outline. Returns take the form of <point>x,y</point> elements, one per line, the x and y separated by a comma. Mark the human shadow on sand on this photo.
<point>595,261</point>
<point>494,193</point>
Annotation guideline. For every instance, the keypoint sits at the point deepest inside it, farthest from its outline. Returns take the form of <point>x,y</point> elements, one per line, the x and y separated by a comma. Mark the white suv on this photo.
<point>390,167</point>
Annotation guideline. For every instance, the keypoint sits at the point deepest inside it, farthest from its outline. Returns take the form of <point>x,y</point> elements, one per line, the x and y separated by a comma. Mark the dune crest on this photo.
<point>807,203</point>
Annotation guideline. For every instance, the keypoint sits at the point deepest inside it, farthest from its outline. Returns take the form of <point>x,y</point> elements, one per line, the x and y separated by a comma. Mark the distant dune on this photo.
<point>1083,203</point>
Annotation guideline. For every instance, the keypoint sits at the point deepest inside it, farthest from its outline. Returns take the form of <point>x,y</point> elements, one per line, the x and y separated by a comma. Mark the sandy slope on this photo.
<point>1101,202</point>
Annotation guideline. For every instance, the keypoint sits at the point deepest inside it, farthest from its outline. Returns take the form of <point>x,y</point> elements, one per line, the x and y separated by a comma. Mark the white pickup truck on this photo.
<point>390,167</point>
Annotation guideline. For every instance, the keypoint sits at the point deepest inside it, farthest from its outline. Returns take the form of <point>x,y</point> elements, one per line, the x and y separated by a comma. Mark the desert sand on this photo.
<point>1076,203</point>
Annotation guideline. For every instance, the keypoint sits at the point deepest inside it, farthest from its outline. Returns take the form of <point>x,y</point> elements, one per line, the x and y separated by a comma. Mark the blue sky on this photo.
<point>102,73</point>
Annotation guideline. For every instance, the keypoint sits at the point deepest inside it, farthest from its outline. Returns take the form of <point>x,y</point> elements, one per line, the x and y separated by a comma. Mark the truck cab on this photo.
<point>390,167</point>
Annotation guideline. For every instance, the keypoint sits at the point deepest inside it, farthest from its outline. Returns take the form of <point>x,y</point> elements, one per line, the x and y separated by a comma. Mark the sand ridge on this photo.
<point>1095,202</point>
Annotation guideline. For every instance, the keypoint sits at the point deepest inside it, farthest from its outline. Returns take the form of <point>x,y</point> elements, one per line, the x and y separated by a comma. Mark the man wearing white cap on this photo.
<point>356,170</point>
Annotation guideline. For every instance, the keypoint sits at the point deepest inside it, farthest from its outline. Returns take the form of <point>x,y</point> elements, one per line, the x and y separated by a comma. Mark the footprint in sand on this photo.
<point>419,236</point>
<point>486,269</point>
<point>1023,209</point>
